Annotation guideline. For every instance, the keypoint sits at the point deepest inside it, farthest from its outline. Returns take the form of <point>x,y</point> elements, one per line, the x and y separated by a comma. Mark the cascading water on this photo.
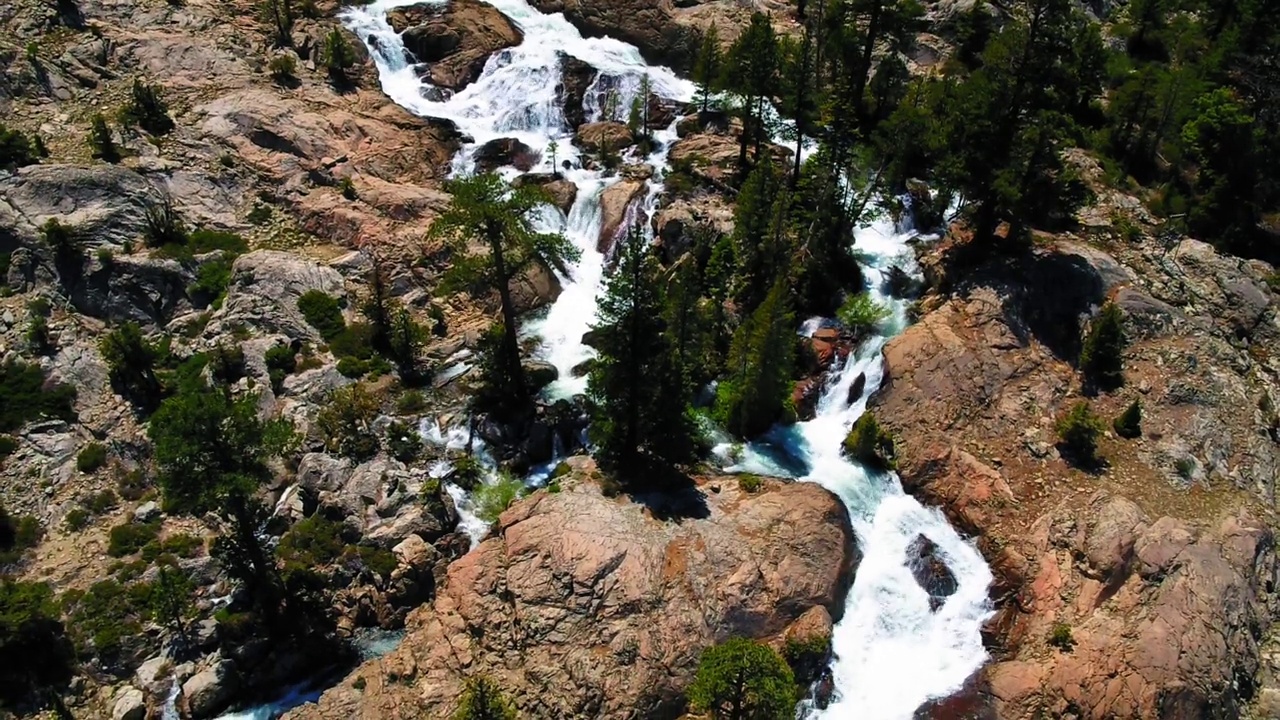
<point>892,651</point>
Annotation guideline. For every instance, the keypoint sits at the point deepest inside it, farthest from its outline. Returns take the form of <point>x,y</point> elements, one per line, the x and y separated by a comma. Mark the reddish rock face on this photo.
<point>455,39</point>
<point>611,607</point>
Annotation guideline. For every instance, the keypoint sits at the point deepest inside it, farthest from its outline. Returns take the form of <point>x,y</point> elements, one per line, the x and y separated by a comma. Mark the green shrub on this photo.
<point>1101,358</point>
<point>281,361</point>
<point>411,402</point>
<point>130,538</point>
<point>212,279</point>
<point>483,699</point>
<point>27,395</point>
<point>146,109</point>
<point>76,519</point>
<point>750,483</point>
<point>403,441</point>
<point>205,240</point>
<point>101,144</point>
<point>28,532</point>
<point>493,499</point>
<point>311,542</point>
<point>870,444</point>
<point>91,457</point>
<point>337,55</point>
<point>746,675</point>
<point>348,188</point>
<point>105,619</point>
<point>353,368</point>
<point>283,67</point>
<point>861,314</point>
<point>1060,637</point>
<point>467,472</point>
<point>39,341</point>
<point>8,446</point>
<point>807,657</point>
<point>323,313</point>
<point>132,485</point>
<point>68,250</point>
<point>1129,423</point>
<point>179,545</point>
<point>1185,467</point>
<point>101,502</point>
<point>163,226</point>
<point>1078,430</point>
<point>381,562</point>
<point>553,487</point>
<point>16,150</point>
<point>259,214</point>
<point>32,639</point>
<point>346,422</point>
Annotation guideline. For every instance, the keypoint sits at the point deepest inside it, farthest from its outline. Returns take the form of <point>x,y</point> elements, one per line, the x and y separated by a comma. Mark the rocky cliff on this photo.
<point>583,605</point>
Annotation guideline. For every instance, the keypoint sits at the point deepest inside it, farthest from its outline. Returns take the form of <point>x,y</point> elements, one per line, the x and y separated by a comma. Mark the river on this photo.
<point>892,651</point>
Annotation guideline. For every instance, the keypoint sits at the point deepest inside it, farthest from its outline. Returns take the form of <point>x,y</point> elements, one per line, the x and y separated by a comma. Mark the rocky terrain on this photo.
<point>1144,587</point>
<point>584,605</point>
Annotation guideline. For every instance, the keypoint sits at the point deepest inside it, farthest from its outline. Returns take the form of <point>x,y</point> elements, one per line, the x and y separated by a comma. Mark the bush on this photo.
<point>346,422</point>
<point>1078,431</point>
<point>16,150</point>
<point>482,699</point>
<point>76,519</point>
<point>861,314</point>
<point>1060,637</point>
<point>32,639</point>
<point>91,457</point>
<point>467,472</point>
<point>179,545</point>
<point>283,67</point>
<point>403,441</point>
<point>348,188</point>
<point>226,363</point>
<point>337,55</point>
<point>381,562</point>
<point>163,226</point>
<point>130,538</point>
<point>750,483</point>
<point>870,444</point>
<point>205,240</point>
<point>101,144</point>
<point>353,368</point>
<point>1101,353</point>
<point>323,313</point>
<point>146,109</point>
<point>742,678</point>
<point>411,402</point>
<point>104,620</point>
<point>493,499</point>
<point>807,657</point>
<point>281,361</point>
<point>68,250</point>
<point>101,502</point>
<point>1129,424</point>
<point>26,395</point>
<point>311,542</point>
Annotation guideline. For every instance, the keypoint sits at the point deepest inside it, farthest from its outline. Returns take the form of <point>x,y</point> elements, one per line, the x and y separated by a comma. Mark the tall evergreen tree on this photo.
<point>752,73</point>
<point>485,210</point>
<point>638,407</point>
<point>759,245</point>
<point>757,391</point>
<point>707,69</point>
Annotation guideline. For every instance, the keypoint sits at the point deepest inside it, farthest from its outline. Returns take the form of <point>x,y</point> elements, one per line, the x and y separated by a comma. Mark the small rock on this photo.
<point>930,571</point>
<point>146,512</point>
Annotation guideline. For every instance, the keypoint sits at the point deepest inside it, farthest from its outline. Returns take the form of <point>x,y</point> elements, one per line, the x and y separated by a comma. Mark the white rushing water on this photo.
<point>892,652</point>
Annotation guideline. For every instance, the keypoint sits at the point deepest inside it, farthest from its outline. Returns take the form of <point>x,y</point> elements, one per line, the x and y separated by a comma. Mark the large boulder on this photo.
<point>562,192</point>
<point>502,152</point>
<point>608,136</point>
<point>607,603</point>
<point>618,209</point>
<point>105,204</point>
<point>576,78</point>
<point>455,39</point>
<point>264,291</point>
<point>209,690</point>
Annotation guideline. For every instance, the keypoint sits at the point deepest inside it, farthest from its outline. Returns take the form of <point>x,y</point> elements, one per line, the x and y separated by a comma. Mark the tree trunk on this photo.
<point>510,342</point>
<point>264,593</point>
<point>864,63</point>
<point>744,138</point>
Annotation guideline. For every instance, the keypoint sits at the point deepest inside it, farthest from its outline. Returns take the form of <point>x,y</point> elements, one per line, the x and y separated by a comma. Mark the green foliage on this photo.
<point>16,149</point>
<point>501,219</point>
<point>283,68</point>
<point>337,55</point>
<point>281,360</point>
<point>348,188</point>
<point>482,699</point>
<point>101,144</point>
<point>204,240</point>
<point>322,312</point>
<point>1101,354</point>
<point>130,537</point>
<point>170,599</point>
<point>640,403</point>
<point>163,226</point>
<point>311,542</point>
<point>68,250</point>
<point>1060,637</point>
<point>146,109</point>
<point>707,68</point>
<point>174,546</point>
<point>494,498</point>
<point>467,472</point>
<point>870,444</point>
<point>751,71</point>
<point>403,441</point>
<point>34,651</point>
<point>91,457</point>
<point>76,519</point>
<point>378,560</point>
<point>346,422</point>
<point>27,395</point>
<point>757,391</point>
<point>131,363</point>
<point>750,483</point>
<point>8,446</point>
<point>1078,430</point>
<point>105,620</point>
<point>861,314</point>
<point>742,678</point>
<point>279,16</point>
<point>411,402</point>
<point>1129,423</point>
<point>807,657</point>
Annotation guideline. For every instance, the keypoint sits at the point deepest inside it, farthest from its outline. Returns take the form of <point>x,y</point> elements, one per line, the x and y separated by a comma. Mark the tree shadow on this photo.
<point>1091,464</point>
<point>69,14</point>
<point>668,493</point>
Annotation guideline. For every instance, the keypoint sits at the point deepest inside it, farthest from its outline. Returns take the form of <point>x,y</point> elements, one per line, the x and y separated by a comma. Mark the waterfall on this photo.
<point>892,652</point>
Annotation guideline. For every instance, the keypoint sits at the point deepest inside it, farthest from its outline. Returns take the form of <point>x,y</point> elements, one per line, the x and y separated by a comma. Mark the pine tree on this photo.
<point>484,209</point>
<point>752,73</point>
<point>757,391</point>
<point>741,679</point>
<point>483,700</point>
<point>707,69</point>
<point>131,361</point>
<point>337,56</point>
<point>759,249</point>
<point>638,408</point>
<point>1101,354</point>
<point>1129,424</point>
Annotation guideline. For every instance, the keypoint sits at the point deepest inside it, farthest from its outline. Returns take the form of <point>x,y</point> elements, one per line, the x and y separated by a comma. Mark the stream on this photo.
<point>892,651</point>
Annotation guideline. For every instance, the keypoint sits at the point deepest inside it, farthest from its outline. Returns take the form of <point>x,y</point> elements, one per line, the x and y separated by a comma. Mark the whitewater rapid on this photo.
<point>892,653</point>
